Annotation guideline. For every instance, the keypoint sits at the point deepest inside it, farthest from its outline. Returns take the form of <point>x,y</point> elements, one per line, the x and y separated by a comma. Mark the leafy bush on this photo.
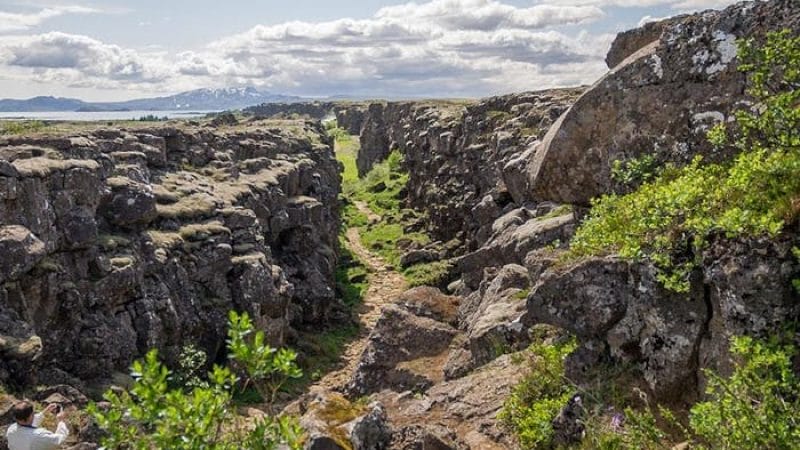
<point>266,368</point>
<point>538,399</point>
<point>189,373</point>
<point>635,171</point>
<point>758,407</point>
<point>670,219</point>
<point>153,415</point>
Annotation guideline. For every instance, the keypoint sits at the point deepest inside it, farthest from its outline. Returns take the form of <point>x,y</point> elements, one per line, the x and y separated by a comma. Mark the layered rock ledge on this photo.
<point>120,240</point>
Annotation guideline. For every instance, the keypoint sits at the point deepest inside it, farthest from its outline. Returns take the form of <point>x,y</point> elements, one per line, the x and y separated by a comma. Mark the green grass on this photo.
<point>321,353</point>
<point>22,127</point>
<point>381,189</point>
<point>433,273</point>
<point>351,277</point>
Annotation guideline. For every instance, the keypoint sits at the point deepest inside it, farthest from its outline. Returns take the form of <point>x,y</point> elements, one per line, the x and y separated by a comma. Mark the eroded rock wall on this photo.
<point>482,175</point>
<point>116,241</point>
<point>670,83</point>
<point>455,153</point>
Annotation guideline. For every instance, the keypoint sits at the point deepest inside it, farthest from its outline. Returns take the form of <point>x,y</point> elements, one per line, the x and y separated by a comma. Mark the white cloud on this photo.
<point>681,5</point>
<point>488,14</point>
<point>21,21</point>
<point>454,47</point>
<point>80,61</point>
<point>434,48</point>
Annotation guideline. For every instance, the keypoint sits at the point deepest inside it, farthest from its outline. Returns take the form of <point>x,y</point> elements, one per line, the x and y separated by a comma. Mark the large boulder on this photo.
<point>621,313</point>
<point>619,310</point>
<point>490,318</point>
<point>661,100</point>
<point>750,292</point>
<point>458,414</point>
<point>402,353</point>
<point>331,422</point>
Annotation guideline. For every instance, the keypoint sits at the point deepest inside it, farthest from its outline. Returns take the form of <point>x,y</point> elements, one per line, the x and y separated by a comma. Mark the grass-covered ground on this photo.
<point>382,191</point>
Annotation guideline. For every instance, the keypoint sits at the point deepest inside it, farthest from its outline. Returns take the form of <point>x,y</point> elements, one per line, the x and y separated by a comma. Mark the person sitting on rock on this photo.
<point>26,434</point>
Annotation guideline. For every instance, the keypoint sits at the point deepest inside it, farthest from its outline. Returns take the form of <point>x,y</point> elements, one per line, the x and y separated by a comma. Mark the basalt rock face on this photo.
<point>622,315</point>
<point>660,99</point>
<point>455,154</point>
<point>118,241</point>
<point>515,203</point>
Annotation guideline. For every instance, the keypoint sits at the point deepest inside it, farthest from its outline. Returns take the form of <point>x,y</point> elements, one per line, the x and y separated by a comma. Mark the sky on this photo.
<point>117,50</point>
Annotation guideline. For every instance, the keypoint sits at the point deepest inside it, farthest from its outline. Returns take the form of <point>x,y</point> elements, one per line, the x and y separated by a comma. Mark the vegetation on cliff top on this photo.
<point>670,219</point>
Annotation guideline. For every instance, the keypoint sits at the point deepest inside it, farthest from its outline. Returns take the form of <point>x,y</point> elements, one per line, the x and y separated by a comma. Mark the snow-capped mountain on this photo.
<point>196,100</point>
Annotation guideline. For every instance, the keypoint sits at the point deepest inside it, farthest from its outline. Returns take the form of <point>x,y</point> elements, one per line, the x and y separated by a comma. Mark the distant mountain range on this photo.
<point>196,100</point>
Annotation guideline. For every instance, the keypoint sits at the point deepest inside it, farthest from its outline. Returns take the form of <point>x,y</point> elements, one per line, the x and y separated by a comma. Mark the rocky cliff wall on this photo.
<point>115,241</point>
<point>481,174</point>
<point>669,84</point>
<point>455,153</point>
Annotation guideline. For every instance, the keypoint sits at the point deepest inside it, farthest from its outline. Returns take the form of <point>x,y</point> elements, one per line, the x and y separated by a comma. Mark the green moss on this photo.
<point>523,294</point>
<point>433,273</point>
<point>336,412</point>
<point>558,211</point>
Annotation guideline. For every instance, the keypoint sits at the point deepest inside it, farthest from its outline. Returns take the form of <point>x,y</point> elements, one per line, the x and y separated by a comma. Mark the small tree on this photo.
<point>267,368</point>
<point>154,416</point>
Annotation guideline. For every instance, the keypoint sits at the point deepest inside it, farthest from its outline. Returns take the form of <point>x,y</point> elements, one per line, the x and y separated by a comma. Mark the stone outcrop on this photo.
<point>455,153</point>
<point>660,99</point>
<point>119,240</point>
<point>481,174</point>
<point>403,351</point>
<point>622,315</point>
<point>458,414</point>
<point>331,422</point>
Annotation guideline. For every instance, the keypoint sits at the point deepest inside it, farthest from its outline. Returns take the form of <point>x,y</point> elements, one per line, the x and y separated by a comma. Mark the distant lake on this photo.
<point>100,115</point>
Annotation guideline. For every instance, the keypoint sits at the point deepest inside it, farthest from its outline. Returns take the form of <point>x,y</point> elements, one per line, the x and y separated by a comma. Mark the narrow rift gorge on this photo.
<point>599,267</point>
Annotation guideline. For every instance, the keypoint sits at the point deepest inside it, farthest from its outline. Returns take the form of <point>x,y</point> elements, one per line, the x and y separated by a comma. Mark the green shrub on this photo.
<point>635,171</point>
<point>670,219</point>
<point>758,407</point>
<point>189,373</point>
<point>266,368</point>
<point>538,399</point>
<point>153,415</point>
